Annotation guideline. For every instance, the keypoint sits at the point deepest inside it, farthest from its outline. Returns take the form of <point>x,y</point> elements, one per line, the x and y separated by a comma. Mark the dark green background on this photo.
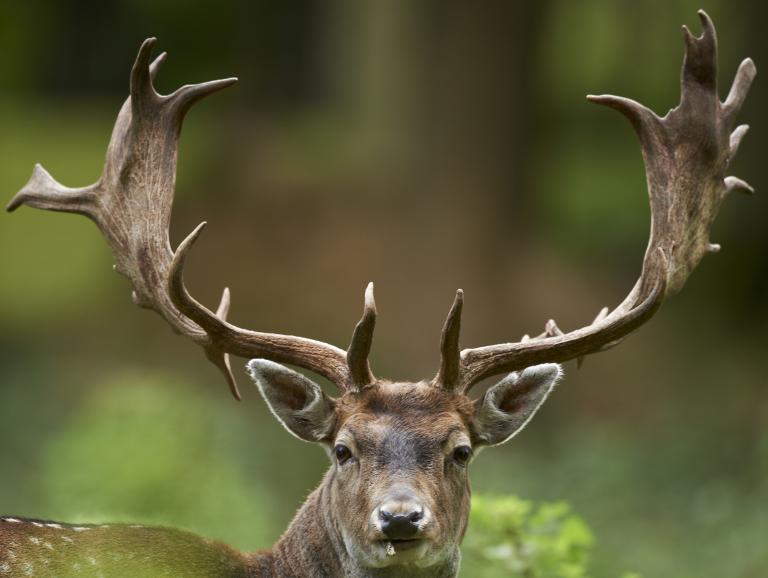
<point>423,145</point>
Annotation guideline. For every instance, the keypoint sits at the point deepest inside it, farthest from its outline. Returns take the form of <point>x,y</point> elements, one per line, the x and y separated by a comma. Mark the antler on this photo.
<point>131,205</point>
<point>686,155</point>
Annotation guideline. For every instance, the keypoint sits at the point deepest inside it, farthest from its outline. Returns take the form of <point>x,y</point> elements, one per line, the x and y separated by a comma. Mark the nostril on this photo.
<point>416,516</point>
<point>385,516</point>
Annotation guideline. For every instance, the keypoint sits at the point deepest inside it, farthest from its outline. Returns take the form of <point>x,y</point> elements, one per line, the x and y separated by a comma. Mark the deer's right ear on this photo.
<point>507,407</point>
<point>296,401</point>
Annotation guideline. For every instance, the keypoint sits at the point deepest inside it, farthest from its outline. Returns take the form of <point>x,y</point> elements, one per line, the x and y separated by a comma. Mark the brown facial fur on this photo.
<point>402,438</point>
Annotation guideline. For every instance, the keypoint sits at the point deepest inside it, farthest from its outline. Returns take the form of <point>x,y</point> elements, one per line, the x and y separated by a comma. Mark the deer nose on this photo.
<point>400,523</point>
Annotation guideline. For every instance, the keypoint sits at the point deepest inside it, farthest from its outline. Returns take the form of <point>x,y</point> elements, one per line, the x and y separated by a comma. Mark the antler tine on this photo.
<point>187,95</point>
<point>735,140</point>
<point>219,358</point>
<point>739,89</point>
<point>737,184</point>
<point>686,155</point>
<point>42,191</point>
<point>601,315</point>
<point>179,294</point>
<point>360,346</point>
<point>156,64</point>
<point>450,365</point>
<point>188,305</point>
<point>142,91</point>
<point>131,205</point>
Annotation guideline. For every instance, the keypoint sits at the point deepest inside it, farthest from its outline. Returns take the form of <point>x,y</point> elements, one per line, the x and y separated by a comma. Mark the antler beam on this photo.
<point>450,359</point>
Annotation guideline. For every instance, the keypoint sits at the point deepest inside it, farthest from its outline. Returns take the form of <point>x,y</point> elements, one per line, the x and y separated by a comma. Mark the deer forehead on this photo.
<point>403,414</point>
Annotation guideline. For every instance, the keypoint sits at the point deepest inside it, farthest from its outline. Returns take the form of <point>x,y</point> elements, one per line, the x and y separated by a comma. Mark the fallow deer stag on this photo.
<point>396,499</point>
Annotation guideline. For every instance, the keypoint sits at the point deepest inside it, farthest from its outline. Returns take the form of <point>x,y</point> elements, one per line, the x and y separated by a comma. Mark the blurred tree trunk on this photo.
<point>449,89</point>
<point>447,92</point>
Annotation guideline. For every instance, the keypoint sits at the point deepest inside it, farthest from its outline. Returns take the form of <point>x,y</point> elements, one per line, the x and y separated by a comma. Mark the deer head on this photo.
<point>399,483</point>
<point>397,492</point>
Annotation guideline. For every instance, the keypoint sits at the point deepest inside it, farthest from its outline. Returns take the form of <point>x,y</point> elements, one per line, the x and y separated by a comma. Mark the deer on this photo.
<point>395,500</point>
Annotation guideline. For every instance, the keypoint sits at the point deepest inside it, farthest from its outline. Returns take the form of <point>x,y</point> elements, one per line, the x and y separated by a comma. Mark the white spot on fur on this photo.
<point>35,540</point>
<point>80,528</point>
<point>37,524</point>
<point>12,520</point>
<point>28,569</point>
<point>67,539</point>
<point>76,566</point>
<point>48,545</point>
<point>54,526</point>
<point>5,568</point>
<point>92,561</point>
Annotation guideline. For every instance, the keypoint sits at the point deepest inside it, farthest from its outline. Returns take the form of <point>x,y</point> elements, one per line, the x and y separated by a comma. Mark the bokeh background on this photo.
<point>423,145</point>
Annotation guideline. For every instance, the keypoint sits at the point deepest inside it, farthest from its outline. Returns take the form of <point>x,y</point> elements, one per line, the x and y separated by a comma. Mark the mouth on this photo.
<point>394,547</point>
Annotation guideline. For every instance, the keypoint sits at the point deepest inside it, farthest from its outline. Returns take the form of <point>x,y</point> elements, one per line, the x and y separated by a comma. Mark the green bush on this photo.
<point>141,451</point>
<point>512,538</point>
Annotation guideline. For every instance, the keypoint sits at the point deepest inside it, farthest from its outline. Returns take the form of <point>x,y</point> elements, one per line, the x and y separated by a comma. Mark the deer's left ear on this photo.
<point>508,406</point>
<point>296,401</point>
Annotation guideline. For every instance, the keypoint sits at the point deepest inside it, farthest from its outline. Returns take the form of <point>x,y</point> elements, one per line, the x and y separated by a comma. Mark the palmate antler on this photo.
<point>686,155</point>
<point>131,204</point>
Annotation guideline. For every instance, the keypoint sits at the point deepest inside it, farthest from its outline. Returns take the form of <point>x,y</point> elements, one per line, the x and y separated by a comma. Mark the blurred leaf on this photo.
<point>139,451</point>
<point>511,537</point>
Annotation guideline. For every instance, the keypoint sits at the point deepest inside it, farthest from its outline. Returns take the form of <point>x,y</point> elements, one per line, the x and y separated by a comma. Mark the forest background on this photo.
<point>425,146</point>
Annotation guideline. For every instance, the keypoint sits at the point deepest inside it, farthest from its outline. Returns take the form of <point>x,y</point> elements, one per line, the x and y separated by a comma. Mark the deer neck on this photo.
<point>313,545</point>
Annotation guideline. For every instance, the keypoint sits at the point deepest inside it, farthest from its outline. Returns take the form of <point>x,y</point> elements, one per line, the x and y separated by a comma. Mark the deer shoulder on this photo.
<point>49,549</point>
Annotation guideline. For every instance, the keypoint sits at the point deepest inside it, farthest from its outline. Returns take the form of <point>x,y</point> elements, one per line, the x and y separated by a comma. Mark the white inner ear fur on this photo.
<point>313,421</point>
<point>493,425</point>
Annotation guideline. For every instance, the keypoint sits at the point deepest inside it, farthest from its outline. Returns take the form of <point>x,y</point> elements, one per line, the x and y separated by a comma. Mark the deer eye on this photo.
<point>462,454</point>
<point>342,453</point>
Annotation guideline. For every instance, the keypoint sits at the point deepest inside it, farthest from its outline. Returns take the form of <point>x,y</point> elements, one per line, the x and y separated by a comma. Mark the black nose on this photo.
<point>400,526</point>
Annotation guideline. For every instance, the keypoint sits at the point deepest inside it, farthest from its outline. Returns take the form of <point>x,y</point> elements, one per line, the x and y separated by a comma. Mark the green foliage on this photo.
<point>514,538</point>
<point>143,452</point>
